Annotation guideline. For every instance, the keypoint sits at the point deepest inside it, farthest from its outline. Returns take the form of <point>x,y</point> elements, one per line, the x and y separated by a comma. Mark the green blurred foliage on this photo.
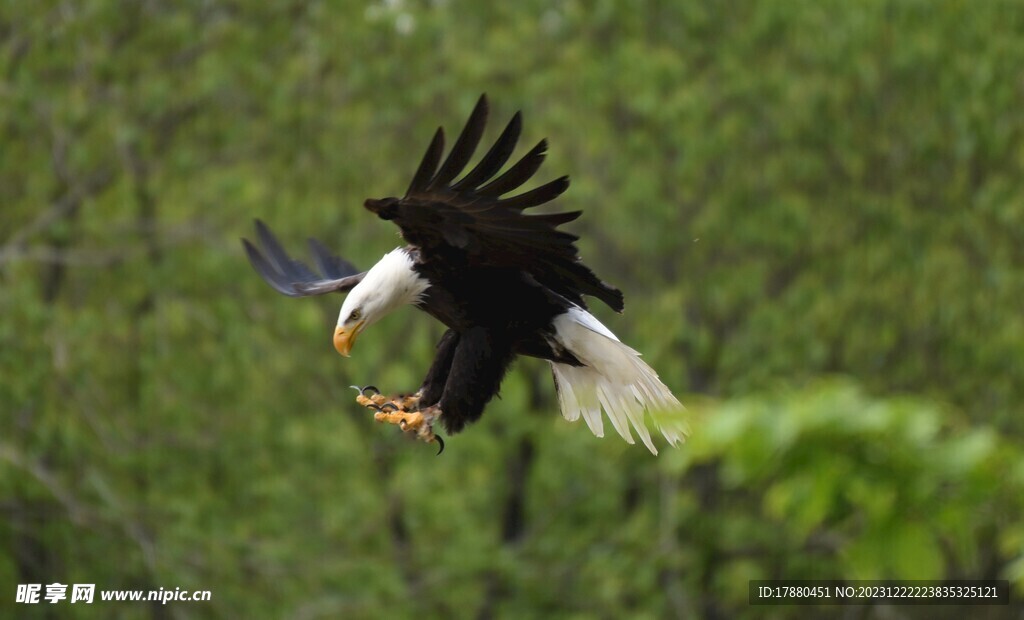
<point>785,191</point>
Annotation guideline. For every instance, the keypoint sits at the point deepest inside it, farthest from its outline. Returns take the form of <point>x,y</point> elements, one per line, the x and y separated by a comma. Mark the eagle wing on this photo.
<point>293,277</point>
<point>469,222</point>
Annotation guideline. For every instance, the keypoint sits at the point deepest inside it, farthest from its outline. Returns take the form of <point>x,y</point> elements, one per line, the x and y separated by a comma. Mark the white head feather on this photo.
<point>389,284</point>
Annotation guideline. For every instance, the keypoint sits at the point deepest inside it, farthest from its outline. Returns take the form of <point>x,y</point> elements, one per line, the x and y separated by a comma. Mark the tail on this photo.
<point>614,378</point>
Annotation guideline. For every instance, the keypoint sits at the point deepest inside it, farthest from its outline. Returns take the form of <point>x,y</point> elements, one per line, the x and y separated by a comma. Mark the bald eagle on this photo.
<point>504,283</point>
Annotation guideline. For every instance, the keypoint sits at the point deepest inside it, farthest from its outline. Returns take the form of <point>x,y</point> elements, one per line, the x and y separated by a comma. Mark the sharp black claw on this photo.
<point>440,443</point>
<point>375,406</point>
<point>393,406</point>
<point>356,388</point>
<point>367,388</point>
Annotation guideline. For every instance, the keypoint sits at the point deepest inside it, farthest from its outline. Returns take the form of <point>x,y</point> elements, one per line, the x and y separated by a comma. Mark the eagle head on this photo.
<point>389,284</point>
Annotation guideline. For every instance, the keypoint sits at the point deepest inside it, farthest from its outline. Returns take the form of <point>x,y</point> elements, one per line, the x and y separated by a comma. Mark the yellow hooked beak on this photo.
<point>345,338</point>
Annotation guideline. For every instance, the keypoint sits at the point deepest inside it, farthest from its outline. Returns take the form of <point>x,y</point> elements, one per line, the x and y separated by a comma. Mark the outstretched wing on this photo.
<point>292,277</point>
<point>469,220</point>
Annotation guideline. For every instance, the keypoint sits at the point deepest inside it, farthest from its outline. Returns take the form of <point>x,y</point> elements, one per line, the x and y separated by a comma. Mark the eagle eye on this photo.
<point>355,315</point>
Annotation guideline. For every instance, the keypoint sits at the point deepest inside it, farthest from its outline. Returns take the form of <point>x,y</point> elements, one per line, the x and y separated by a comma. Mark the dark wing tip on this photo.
<point>261,228</point>
<point>519,173</point>
<point>541,149</point>
<point>495,158</point>
<point>464,147</point>
<point>557,219</point>
<point>615,299</point>
<point>267,271</point>
<point>538,195</point>
<point>292,277</point>
<point>428,165</point>
<point>250,250</point>
<point>330,266</point>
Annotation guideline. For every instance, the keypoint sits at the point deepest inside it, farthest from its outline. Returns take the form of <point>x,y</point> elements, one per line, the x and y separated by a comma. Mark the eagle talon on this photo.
<point>419,423</point>
<point>372,398</point>
<point>374,401</point>
<point>408,403</point>
<point>405,420</point>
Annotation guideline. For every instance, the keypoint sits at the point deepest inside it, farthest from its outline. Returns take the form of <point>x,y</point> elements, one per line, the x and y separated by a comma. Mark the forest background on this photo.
<point>815,210</point>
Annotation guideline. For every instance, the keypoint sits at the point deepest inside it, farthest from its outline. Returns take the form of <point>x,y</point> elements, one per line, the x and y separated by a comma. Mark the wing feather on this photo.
<point>464,147</point>
<point>331,266</point>
<point>495,158</point>
<point>538,195</point>
<point>470,222</point>
<point>557,219</point>
<point>421,180</point>
<point>518,174</point>
<point>294,278</point>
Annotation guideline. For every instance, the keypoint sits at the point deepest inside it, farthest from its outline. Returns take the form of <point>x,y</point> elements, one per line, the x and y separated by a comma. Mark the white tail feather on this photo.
<point>613,378</point>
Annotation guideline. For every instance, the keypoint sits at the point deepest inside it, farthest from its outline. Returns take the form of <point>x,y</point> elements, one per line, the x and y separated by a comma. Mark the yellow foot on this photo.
<point>401,411</point>
<point>407,403</point>
<point>405,420</point>
<point>370,396</point>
